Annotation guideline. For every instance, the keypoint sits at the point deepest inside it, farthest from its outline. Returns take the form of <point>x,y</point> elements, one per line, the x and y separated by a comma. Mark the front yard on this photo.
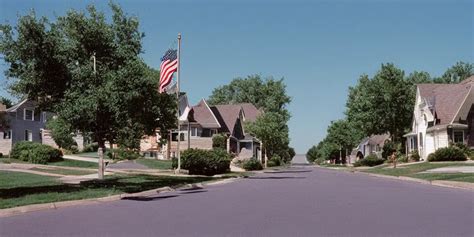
<point>418,170</point>
<point>18,189</point>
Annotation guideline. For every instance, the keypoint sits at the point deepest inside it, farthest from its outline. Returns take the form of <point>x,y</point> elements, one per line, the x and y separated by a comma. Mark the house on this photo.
<point>200,122</point>
<point>368,146</point>
<point>26,122</point>
<point>443,114</point>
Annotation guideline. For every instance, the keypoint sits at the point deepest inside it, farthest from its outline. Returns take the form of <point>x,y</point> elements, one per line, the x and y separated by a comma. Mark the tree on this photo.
<point>379,105</point>
<point>61,132</point>
<point>5,101</point>
<point>268,95</point>
<point>272,130</point>
<point>51,62</point>
<point>456,73</point>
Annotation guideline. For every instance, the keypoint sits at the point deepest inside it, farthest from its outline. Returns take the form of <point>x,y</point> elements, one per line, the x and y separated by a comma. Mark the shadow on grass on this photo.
<point>122,184</point>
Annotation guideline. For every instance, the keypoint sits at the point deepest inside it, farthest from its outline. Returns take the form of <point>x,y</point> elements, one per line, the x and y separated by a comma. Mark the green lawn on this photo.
<point>17,189</point>
<point>64,162</point>
<point>156,164</point>
<point>75,163</point>
<point>415,169</point>
<point>88,154</point>
<point>65,171</point>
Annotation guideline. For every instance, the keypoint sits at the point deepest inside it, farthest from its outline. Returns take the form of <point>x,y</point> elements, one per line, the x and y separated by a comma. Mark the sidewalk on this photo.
<point>80,158</point>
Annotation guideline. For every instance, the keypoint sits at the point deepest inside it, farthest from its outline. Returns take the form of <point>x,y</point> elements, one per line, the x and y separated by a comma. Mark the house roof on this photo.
<point>250,112</point>
<point>378,139</point>
<point>203,115</point>
<point>228,115</point>
<point>15,107</point>
<point>446,99</point>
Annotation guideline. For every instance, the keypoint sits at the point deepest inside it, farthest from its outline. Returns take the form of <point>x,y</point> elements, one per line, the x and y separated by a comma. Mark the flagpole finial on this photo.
<point>179,36</point>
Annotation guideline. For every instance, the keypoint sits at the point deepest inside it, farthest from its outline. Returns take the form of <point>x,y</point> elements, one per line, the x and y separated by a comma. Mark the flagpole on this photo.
<point>178,73</point>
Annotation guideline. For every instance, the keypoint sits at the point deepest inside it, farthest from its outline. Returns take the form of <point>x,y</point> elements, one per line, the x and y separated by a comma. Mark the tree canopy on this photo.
<point>53,63</point>
<point>268,95</point>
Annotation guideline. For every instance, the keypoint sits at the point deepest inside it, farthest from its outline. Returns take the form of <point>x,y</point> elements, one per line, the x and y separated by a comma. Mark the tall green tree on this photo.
<point>456,73</point>
<point>379,105</point>
<point>5,101</point>
<point>52,62</point>
<point>272,130</point>
<point>61,132</point>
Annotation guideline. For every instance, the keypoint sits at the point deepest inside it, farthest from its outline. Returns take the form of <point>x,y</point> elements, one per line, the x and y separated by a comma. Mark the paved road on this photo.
<point>302,201</point>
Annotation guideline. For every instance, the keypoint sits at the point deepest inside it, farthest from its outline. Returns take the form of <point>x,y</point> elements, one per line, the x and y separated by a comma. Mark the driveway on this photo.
<point>299,201</point>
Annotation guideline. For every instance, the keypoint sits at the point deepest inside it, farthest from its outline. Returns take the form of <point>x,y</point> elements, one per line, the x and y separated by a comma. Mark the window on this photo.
<point>7,134</point>
<point>421,139</point>
<point>194,132</point>
<point>458,136</point>
<point>213,131</point>
<point>28,135</point>
<point>28,115</point>
<point>45,119</point>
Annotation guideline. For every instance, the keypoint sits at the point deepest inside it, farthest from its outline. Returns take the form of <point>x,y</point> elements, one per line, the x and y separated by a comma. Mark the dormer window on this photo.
<point>29,114</point>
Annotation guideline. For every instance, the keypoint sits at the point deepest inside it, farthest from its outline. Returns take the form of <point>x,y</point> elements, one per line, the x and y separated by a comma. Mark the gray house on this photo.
<point>25,123</point>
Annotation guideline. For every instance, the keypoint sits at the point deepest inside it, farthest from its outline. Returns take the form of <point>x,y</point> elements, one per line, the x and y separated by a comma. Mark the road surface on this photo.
<point>301,201</point>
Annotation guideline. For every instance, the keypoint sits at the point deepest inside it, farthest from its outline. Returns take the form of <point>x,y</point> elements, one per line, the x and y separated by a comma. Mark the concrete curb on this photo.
<point>56,205</point>
<point>439,183</point>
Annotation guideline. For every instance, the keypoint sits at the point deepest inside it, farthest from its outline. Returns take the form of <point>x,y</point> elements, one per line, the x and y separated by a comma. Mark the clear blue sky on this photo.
<point>319,47</point>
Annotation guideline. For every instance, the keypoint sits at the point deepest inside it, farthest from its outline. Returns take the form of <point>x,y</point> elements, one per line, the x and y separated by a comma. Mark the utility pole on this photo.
<point>100,150</point>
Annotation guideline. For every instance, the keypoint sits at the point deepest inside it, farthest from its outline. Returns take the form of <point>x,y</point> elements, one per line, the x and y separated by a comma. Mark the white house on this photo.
<point>443,114</point>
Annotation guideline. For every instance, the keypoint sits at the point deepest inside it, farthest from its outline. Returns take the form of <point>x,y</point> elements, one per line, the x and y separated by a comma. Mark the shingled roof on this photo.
<point>205,116</point>
<point>446,99</point>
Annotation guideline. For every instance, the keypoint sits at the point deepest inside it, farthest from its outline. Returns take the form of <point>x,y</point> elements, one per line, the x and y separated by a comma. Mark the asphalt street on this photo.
<point>299,201</point>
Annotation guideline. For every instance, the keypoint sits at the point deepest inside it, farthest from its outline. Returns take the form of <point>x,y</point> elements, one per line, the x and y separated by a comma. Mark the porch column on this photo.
<point>228,145</point>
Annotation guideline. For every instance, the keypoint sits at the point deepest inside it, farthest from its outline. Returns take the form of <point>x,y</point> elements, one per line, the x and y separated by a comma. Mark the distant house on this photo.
<point>443,114</point>
<point>372,145</point>
<point>27,123</point>
<point>200,122</point>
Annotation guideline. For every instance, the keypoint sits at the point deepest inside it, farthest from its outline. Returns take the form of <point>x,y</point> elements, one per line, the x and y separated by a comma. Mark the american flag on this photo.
<point>169,65</point>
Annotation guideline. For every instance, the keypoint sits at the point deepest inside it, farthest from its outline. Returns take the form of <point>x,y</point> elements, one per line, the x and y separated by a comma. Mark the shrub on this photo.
<point>320,161</point>
<point>91,147</point>
<point>275,161</point>
<point>388,149</point>
<point>465,149</point>
<point>402,159</point>
<point>35,153</point>
<point>370,160</point>
<point>204,162</point>
<point>123,154</point>
<point>415,156</point>
<point>1,155</point>
<point>219,141</point>
<point>252,164</point>
<point>448,154</point>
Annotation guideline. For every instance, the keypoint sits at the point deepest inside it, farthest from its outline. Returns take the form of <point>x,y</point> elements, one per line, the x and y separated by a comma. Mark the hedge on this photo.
<point>252,164</point>
<point>36,153</point>
<point>448,154</point>
<point>204,162</point>
<point>274,161</point>
<point>370,160</point>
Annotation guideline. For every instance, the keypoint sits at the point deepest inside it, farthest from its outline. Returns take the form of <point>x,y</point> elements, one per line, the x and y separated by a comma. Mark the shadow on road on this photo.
<point>287,171</point>
<point>277,177</point>
<point>195,191</point>
<point>142,198</point>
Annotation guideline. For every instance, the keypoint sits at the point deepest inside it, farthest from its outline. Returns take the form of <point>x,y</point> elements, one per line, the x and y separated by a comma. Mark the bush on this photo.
<point>252,164</point>
<point>402,159</point>
<point>1,155</point>
<point>320,161</point>
<point>465,149</point>
<point>91,147</point>
<point>204,162</point>
<point>448,154</point>
<point>35,153</point>
<point>123,154</point>
<point>219,141</point>
<point>415,156</point>
<point>275,161</point>
<point>388,149</point>
<point>370,160</point>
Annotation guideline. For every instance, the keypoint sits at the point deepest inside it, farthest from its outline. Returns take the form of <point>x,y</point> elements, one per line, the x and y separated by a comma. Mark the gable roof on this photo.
<point>15,107</point>
<point>250,112</point>
<point>228,114</point>
<point>446,99</point>
<point>203,115</point>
